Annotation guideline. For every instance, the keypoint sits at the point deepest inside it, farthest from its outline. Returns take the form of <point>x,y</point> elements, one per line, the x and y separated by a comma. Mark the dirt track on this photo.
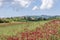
<point>15,23</point>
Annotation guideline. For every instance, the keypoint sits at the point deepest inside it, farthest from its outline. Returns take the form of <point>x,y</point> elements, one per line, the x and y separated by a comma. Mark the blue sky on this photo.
<point>11,8</point>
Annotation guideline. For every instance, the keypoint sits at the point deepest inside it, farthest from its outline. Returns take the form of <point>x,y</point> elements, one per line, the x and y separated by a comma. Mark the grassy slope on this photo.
<point>12,29</point>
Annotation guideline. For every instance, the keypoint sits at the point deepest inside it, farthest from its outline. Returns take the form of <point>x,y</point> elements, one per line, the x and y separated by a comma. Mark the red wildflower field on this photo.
<point>49,31</point>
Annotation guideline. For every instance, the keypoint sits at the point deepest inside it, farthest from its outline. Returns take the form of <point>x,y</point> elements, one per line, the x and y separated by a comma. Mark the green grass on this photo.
<point>13,29</point>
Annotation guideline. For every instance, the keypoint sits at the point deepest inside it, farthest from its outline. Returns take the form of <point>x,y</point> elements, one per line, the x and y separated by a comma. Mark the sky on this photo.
<point>12,8</point>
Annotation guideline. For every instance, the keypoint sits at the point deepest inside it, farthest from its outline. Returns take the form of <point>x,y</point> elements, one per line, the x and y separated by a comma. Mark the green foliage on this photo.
<point>26,18</point>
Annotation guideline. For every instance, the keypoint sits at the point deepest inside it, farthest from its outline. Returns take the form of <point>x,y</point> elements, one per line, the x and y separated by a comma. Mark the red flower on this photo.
<point>10,38</point>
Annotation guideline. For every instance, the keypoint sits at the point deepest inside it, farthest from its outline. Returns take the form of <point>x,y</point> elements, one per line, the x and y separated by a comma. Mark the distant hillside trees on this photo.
<point>27,18</point>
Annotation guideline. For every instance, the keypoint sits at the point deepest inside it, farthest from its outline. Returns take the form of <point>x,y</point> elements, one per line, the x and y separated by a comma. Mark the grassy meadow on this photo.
<point>9,28</point>
<point>45,30</point>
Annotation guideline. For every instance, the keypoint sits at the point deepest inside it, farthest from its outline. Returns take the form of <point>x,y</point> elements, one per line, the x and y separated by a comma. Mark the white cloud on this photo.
<point>35,8</point>
<point>23,3</point>
<point>1,2</point>
<point>46,4</point>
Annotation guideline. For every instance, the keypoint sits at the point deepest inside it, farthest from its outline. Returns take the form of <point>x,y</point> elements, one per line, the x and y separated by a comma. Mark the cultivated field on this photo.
<point>40,30</point>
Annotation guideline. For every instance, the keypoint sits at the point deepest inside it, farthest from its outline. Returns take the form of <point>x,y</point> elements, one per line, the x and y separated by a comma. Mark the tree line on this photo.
<point>25,19</point>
